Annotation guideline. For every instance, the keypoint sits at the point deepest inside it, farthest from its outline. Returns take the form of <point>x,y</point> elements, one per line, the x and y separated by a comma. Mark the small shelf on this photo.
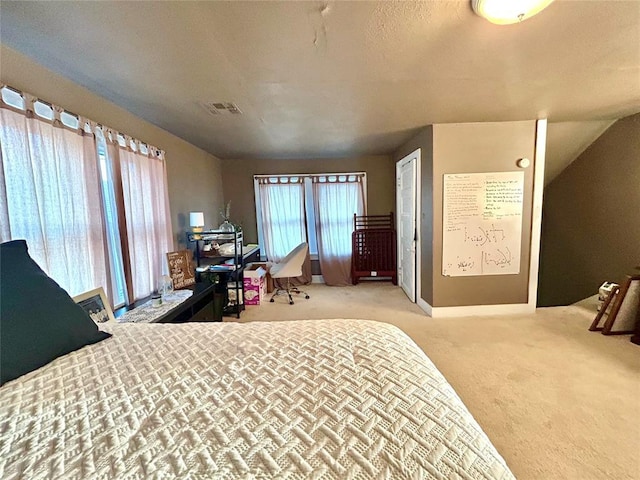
<point>205,254</point>
<point>232,276</point>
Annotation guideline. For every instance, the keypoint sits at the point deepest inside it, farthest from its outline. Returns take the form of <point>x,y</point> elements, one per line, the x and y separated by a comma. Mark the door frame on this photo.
<point>416,154</point>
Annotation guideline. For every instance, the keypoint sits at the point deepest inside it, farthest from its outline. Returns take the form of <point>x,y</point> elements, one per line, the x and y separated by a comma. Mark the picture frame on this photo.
<point>96,304</point>
<point>180,270</point>
<point>625,309</point>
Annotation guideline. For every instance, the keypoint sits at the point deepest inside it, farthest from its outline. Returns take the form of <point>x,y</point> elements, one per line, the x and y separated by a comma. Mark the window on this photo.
<point>281,215</point>
<point>336,200</point>
<point>311,217</point>
<point>13,98</point>
<point>286,211</point>
<point>58,178</point>
<point>118,283</point>
<point>50,194</point>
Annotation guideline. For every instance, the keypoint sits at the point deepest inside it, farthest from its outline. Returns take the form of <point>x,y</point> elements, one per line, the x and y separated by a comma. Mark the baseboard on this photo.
<point>474,310</point>
<point>317,279</point>
<point>428,309</point>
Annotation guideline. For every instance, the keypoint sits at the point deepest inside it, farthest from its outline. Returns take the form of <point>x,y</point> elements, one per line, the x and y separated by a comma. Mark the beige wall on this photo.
<point>591,219</point>
<point>238,175</point>
<point>476,148</point>
<point>423,140</point>
<point>470,148</point>
<point>194,175</point>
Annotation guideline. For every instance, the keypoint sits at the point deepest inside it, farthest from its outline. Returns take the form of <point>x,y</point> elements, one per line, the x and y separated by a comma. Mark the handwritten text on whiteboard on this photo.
<point>482,223</point>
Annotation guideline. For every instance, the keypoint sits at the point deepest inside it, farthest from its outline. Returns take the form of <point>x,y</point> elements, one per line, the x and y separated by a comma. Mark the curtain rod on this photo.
<point>51,105</point>
<point>38,99</point>
<point>308,174</point>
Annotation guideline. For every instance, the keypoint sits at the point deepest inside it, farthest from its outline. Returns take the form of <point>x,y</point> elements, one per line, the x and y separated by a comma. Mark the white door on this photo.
<point>406,208</point>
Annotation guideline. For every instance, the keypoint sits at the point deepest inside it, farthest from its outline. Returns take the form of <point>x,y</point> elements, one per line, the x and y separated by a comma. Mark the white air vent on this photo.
<point>218,108</point>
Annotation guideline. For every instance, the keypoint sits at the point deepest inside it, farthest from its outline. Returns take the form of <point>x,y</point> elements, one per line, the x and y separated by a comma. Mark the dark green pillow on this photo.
<point>38,320</point>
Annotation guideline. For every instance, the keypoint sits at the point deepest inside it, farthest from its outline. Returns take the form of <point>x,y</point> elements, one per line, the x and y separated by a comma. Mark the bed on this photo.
<point>317,399</point>
<point>303,399</point>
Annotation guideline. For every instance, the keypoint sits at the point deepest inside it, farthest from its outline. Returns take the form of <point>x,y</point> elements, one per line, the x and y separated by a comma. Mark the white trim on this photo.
<point>536,211</point>
<point>418,179</point>
<point>256,194</point>
<point>365,206</point>
<point>418,211</point>
<point>476,310</point>
<point>428,309</point>
<point>317,279</point>
<point>398,226</point>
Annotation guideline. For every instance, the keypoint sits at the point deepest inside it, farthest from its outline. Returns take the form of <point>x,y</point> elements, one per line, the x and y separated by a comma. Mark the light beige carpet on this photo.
<point>558,401</point>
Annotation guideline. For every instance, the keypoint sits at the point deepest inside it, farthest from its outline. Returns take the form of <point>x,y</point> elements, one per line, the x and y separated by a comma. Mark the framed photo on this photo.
<point>180,269</point>
<point>96,304</point>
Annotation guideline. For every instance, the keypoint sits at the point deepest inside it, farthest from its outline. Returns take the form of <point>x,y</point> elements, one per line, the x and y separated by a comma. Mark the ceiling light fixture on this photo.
<point>506,12</point>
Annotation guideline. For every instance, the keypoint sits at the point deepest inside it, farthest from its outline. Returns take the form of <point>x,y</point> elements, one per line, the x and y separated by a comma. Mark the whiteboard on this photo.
<point>482,223</point>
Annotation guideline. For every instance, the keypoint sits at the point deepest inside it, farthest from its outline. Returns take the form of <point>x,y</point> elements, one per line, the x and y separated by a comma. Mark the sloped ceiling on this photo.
<point>567,140</point>
<point>327,79</point>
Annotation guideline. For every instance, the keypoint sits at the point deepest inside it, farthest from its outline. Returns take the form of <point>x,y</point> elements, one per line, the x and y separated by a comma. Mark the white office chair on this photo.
<point>290,267</point>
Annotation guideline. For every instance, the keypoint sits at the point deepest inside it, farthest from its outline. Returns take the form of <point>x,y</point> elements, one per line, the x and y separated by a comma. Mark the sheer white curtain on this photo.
<point>50,196</point>
<point>282,212</point>
<point>147,219</point>
<point>336,199</point>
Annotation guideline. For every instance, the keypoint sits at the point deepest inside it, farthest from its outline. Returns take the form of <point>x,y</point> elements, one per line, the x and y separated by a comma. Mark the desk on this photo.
<point>229,279</point>
<point>252,255</point>
<point>201,305</point>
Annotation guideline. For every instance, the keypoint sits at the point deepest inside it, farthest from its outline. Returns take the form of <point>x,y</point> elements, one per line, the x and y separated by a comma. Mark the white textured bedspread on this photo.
<point>306,399</point>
